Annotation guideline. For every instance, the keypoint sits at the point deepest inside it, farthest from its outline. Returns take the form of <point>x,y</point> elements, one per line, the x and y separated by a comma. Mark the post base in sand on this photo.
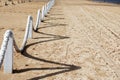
<point>42,20</point>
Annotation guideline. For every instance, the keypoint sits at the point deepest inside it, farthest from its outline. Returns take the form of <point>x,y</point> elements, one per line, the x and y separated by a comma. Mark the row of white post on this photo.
<point>6,51</point>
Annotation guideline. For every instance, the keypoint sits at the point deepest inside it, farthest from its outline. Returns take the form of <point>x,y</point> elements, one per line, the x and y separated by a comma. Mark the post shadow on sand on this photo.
<point>56,14</point>
<point>52,25</point>
<point>46,21</point>
<point>54,18</point>
<point>66,68</point>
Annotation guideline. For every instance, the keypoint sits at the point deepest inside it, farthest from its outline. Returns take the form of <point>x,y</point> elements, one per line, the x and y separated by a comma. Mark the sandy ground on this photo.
<point>79,40</point>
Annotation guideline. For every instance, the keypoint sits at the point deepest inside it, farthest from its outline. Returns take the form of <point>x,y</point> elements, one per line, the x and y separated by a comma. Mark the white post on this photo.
<point>30,27</point>
<point>38,20</point>
<point>28,33</point>
<point>53,2</point>
<point>8,59</point>
<point>50,4</point>
<point>47,7</point>
<point>42,15</point>
<point>45,10</point>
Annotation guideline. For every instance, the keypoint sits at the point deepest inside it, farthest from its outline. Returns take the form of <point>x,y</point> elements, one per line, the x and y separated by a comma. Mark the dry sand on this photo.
<point>79,40</point>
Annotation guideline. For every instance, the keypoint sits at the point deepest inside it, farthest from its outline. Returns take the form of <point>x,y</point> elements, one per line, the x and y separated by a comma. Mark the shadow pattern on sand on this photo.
<point>67,68</point>
<point>52,25</point>
<point>51,37</point>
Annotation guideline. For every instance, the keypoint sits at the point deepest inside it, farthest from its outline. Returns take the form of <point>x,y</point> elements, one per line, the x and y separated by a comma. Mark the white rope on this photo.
<point>6,51</point>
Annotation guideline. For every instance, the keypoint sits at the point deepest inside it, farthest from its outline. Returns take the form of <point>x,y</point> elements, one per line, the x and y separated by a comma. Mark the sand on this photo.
<point>79,40</point>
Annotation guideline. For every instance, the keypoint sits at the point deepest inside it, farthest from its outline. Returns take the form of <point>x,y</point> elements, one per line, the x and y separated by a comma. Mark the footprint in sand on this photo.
<point>2,28</point>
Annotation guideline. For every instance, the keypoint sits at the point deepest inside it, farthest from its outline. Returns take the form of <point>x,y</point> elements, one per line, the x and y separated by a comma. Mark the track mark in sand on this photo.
<point>113,33</point>
<point>110,13</point>
<point>67,48</point>
<point>108,28</point>
<point>113,56</point>
<point>2,28</point>
<point>112,69</point>
<point>105,56</point>
<point>104,12</point>
<point>76,21</point>
<point>93,19</point>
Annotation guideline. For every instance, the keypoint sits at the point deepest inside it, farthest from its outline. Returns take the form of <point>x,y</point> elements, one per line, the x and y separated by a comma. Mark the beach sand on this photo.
<point>79,40</point>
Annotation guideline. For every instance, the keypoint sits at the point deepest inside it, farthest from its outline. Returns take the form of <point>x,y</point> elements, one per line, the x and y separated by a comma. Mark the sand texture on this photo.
<point>79,40</point>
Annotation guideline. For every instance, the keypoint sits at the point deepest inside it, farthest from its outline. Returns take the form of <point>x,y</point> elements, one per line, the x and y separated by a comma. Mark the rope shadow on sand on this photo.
<point>66,68</point>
